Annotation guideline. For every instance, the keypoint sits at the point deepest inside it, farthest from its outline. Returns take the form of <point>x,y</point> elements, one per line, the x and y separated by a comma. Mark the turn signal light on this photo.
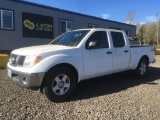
<point>37,59</point>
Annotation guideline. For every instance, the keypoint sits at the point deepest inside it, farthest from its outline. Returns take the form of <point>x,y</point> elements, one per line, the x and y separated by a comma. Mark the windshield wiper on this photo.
<point>72,44</point>
<point>59,44</point>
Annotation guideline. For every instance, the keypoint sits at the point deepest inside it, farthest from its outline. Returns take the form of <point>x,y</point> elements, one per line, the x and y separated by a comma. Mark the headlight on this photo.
<point>31,60</point>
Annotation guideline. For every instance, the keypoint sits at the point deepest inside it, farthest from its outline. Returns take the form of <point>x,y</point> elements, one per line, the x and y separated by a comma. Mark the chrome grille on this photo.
<point>16,60</point>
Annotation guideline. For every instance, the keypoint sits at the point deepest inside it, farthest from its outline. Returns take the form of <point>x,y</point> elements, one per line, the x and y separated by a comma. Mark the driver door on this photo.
<point>98,58</point>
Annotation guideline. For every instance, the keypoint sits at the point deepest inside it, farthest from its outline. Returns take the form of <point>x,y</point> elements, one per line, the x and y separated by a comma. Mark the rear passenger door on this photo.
<point>121,52</point>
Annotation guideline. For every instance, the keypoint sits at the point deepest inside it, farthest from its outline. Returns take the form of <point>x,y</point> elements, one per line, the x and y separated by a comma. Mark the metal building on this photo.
<point>25,24</point>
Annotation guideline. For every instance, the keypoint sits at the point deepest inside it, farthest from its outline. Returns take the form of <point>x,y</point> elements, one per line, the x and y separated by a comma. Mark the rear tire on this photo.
<point>60,83</point>
<point>142,68</point>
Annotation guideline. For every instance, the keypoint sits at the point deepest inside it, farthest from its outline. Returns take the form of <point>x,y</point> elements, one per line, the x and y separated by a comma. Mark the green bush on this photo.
<point>157,52</point>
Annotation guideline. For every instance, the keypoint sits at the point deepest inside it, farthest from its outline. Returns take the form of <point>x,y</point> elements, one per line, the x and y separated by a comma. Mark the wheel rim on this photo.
<point>143,68</point>
<point>61,84</point>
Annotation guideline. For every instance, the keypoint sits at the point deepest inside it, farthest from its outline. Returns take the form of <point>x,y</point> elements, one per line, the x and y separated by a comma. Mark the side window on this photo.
<point>65,26</point>
<point>118,39</point>
<point>128,33</point>
<point>115,28</point>
<point>100,37</point>
<point>92,25</point>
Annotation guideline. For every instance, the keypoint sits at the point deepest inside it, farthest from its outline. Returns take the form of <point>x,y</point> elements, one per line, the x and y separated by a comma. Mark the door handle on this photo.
<point>126,51</point>
<point>109,52</point>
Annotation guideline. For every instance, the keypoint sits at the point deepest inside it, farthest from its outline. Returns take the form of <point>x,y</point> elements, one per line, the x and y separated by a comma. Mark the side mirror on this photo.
<point>92,45</point>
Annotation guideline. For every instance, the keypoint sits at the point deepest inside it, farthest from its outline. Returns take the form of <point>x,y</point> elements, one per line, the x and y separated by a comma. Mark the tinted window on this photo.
<point>118,39</point>
<point>100,37</point>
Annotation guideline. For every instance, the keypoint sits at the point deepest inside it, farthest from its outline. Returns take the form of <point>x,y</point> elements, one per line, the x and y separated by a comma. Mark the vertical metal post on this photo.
<point>157,14</point>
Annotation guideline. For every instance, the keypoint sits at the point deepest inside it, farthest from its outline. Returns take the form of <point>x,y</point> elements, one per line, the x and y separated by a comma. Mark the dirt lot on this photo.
<point>113,97</point>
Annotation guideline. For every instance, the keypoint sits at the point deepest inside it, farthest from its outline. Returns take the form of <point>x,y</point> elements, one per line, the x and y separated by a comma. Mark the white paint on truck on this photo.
<point>75,56</point>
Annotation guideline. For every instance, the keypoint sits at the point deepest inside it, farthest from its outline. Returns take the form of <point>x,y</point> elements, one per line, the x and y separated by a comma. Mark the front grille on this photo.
<point>21,60</point>
<point>16,60</point>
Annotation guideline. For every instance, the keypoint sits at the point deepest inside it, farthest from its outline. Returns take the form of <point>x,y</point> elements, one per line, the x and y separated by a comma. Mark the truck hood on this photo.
<point>33,50</point>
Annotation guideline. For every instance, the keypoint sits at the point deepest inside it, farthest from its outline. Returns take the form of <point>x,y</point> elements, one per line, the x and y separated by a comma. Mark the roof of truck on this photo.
<point>99,29</point>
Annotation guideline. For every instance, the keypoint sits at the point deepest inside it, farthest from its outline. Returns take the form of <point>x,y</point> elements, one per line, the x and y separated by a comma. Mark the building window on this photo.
<point>92,25</point>
<point>128,33</point>
<point>6,19</point>
<point>65,26</point>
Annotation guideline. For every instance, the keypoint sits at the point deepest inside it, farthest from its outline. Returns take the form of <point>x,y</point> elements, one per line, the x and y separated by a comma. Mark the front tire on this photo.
<point>59,84</point>
<point>141,69</point>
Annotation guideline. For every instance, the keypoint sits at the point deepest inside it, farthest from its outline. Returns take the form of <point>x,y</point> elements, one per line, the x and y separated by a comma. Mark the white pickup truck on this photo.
<point>56,68</point>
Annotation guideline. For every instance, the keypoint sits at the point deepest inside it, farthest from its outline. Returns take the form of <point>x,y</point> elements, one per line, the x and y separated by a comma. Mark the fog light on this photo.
<point>24,80</point>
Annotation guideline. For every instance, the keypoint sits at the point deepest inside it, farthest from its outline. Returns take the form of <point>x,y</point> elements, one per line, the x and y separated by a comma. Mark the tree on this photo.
<point>141,32</point>
<point>151,29</point>
<point>147,33</point>
<point>130,17</point>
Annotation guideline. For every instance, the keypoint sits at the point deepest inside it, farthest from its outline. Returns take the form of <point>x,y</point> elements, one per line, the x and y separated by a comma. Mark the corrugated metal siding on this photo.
<point>10,40</point>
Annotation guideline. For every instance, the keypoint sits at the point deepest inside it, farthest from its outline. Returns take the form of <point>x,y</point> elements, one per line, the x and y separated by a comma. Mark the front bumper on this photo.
<point>28,80</point>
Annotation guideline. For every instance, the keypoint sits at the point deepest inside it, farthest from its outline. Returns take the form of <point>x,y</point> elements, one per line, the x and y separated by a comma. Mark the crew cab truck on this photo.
<point>56,68</point>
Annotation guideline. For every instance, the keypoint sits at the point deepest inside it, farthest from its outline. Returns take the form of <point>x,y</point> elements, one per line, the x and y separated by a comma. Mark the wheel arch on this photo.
<point>146,58</point>
<point>134,65</point>
<point>141,68</point>
<point>71,67</point>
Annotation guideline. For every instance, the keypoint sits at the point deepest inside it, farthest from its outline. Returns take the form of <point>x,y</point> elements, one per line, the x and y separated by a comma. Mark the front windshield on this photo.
<point>70,38</point>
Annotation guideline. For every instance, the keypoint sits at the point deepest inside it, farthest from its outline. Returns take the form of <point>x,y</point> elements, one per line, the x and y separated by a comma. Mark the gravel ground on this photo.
<point>113,97</point>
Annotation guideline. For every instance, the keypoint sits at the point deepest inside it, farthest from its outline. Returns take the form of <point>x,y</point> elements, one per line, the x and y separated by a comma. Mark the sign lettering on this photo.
<point>37,26</point>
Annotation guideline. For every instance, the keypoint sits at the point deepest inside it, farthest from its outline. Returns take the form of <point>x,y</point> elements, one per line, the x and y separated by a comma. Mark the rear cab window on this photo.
<point>118,39</point>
